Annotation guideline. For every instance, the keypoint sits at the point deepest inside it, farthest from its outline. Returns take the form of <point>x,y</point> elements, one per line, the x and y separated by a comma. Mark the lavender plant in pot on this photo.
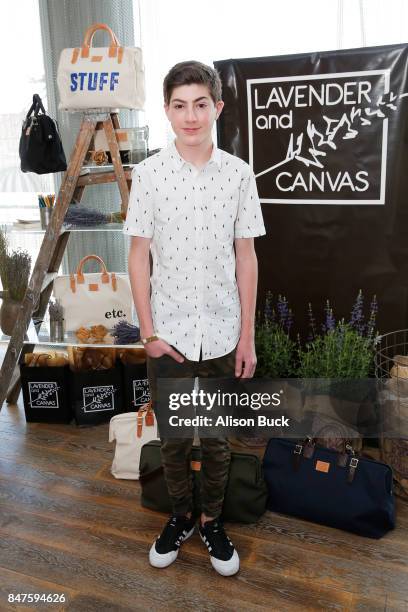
<point>275,352</point>
<point>15,272</point>
<point>335,366</point>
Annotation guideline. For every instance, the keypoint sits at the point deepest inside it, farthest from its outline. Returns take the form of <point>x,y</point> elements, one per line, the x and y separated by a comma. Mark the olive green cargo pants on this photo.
<point>176,453</point>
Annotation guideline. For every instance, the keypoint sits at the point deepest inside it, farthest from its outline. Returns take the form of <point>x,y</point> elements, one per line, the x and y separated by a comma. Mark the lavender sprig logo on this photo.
<point>43,394</point>
<point>97,399</point>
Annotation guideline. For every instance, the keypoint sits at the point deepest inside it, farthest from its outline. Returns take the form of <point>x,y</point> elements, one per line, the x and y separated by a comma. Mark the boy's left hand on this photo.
<point>245,358</point>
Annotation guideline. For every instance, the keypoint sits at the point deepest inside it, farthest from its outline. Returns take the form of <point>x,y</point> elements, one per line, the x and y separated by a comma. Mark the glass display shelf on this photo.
<point>43,338</point>
<point>31,228</point>
<point>94,168</point>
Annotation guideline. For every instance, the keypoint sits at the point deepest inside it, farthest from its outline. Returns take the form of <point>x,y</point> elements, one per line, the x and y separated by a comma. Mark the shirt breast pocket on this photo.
<point>223,215</point>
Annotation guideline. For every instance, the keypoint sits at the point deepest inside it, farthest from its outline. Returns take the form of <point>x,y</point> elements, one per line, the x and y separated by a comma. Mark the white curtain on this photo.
<point>178,30</point>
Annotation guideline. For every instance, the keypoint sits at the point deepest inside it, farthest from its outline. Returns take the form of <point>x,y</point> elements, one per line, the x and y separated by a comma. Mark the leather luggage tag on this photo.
<point>322,466</point>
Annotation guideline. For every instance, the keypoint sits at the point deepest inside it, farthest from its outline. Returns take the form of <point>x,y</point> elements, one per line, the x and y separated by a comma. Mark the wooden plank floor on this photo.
<point>67,526</point>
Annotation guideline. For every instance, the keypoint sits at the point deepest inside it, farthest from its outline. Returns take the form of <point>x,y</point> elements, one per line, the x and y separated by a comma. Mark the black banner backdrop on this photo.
<point>326,136</point>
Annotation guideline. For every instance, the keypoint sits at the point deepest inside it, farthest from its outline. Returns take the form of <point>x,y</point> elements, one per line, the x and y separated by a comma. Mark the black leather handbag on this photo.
<point>40,146</point>
<point>245,494</point>
<point>333,488</point>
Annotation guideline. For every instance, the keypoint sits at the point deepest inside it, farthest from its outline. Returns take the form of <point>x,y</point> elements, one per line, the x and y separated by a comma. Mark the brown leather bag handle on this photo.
<point>146,412</point>
<point>88,38</point>
<point>104,271</point>
<point>89,33</point>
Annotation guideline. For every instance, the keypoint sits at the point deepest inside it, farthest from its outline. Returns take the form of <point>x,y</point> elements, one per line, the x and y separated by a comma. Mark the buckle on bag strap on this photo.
<point>343,456</point>
<point>352,469</point>
<point>297,456</point>
<point>305,450</point>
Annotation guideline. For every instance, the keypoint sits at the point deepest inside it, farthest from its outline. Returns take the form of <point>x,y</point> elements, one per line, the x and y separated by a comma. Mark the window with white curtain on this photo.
<point>178,30</point>
<point>22,76</point>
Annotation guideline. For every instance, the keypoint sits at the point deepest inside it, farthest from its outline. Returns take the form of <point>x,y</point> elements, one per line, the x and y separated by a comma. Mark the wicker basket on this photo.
<point>391,367</point>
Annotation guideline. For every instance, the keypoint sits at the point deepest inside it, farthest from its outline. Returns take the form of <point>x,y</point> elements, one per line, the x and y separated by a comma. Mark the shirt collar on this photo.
<point>179,161</point>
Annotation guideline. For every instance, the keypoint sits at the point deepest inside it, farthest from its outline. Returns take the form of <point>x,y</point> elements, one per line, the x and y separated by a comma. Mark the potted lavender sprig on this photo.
<point>342,349</point>
<point>17,273</point>
<point>275,349</point>
<point>335,362</point>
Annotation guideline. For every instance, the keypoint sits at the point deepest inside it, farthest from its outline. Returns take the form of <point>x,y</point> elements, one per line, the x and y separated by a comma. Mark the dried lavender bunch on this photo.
<point>82,216</point>
<point>18,272</point>
<point>56,311</point>
<point>3,259</point>
<point>125,333</point>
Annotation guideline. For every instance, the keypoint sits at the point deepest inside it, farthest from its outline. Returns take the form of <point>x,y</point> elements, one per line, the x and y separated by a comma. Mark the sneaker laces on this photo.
<point>174,532</point>
<point>217,538</point>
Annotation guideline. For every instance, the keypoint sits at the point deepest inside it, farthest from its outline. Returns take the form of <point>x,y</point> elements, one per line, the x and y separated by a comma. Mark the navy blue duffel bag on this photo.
<point>324,486</point>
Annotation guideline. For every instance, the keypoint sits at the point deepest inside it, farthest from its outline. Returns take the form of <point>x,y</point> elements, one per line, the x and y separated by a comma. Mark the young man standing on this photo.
<point>197,208</point>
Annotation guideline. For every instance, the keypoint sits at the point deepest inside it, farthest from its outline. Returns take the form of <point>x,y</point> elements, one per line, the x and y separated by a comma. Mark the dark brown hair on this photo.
<point>187,73</point>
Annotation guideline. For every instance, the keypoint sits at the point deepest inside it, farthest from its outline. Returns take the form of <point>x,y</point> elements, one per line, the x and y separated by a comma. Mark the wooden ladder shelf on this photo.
<point>54,242</point>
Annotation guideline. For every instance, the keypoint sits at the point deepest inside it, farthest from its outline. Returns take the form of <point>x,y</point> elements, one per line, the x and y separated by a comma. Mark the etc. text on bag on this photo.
<point>101,77</point>
<point>96,298</point>
<point>40,147</point>
<point>131,431</point>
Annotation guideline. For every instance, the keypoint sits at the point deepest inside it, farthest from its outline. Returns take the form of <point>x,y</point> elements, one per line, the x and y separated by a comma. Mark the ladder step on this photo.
<point>97,178</point>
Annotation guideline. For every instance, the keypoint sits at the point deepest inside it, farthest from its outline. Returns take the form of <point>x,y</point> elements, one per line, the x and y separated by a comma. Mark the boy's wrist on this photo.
<point>146,332</point>
<point>247,333</point>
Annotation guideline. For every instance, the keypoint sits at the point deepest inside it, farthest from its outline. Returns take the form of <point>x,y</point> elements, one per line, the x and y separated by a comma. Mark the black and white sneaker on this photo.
<point>165,549</point>
<point>223,556</point>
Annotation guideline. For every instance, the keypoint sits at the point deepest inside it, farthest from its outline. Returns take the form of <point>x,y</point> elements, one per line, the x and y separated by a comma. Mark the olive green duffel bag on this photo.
<point>245,495</point>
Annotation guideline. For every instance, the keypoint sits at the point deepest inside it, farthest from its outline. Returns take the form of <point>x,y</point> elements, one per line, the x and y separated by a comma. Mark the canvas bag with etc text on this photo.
<point>131,431</point>
<point>101,77</point>
<point>96,298</point>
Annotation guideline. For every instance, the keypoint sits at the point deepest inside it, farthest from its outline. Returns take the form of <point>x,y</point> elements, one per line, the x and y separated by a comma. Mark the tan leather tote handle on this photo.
<point>145,412</point>
<point>88,38</point>
<point>104,271</point>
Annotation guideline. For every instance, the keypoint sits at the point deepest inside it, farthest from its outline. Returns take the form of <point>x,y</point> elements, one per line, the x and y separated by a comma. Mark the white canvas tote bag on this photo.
<point>131,431</point>
<point>96,298</point>
<point>101,77</point>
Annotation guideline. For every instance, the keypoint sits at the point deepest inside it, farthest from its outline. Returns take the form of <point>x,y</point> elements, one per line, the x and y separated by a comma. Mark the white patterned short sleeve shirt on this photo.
<point>192,217</point>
